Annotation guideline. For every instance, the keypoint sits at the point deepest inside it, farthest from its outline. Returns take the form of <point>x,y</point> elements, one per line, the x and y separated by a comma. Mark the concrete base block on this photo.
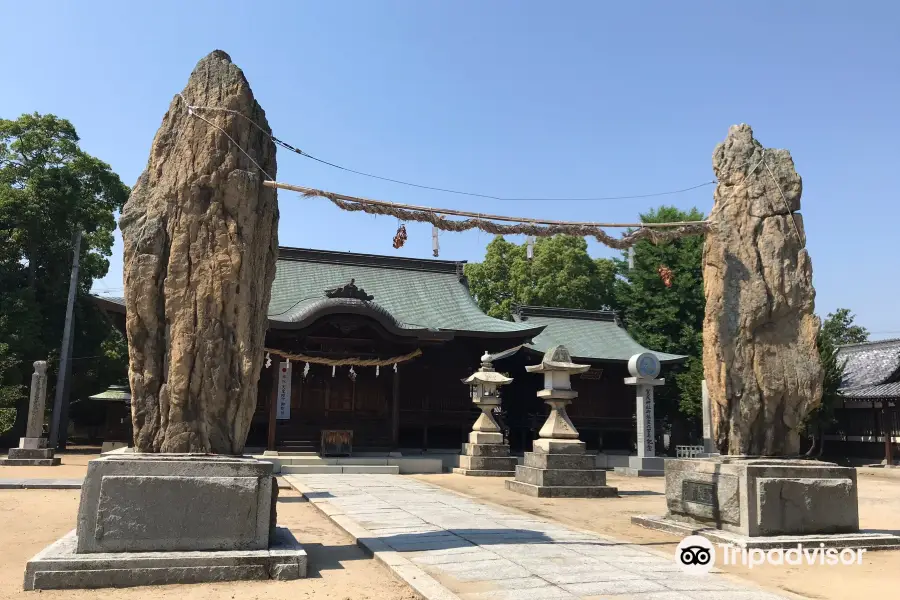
<point>42,453</point>
<point>37,443</point>
<point>482,437</point>
<point>647,466</point>
<point>488,463</point>
<point>560,461</point>
<point>756,497</point>
<point>863,539</point>
<point>59,566</point>
<point>485,449</point>
<point>29,462</point>
<point>561,477</point>
<point>175,503</point>
<point>559,491</point>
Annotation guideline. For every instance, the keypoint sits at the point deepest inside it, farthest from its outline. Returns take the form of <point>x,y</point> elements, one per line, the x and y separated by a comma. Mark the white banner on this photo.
<point>284,391</point>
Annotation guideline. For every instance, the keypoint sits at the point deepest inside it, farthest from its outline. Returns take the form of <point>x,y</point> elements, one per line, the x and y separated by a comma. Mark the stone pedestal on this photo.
<point>171,518</point>
<point>764,502</point>
<point>557,466</point>
<point>486,460</point>
<point>560,470</point>
<point>32,450</point>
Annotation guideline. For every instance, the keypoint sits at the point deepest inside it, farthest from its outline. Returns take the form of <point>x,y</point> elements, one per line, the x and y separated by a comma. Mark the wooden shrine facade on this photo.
<point>331,311</point>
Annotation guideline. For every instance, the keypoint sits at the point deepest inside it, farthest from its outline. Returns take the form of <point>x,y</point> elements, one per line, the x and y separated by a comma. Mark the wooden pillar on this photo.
<point>395,411</point>
<point>273,404</point>
<point>425,426</point>
<point>888,430</point>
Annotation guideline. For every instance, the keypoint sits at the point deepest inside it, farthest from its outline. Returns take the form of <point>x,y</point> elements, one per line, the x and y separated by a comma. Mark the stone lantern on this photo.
<point>557,465</point>
<point>486,454</point>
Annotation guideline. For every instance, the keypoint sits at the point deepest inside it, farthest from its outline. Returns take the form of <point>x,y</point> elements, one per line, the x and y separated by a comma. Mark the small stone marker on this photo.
<point>709,445</point>
<point>486,454</point>
<point>644,368</point>
<point>33,450</point>
<point>558,466</point>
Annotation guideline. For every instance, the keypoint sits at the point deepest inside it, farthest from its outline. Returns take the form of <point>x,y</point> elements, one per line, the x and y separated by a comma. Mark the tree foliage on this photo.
<point>668,319</point>
<point>837,329</point>
<point>561,273</point>
<point>49,188</point>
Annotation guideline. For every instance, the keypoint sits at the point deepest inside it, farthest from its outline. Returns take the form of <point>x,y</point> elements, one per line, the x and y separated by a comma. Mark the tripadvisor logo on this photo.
<point>697,556</point>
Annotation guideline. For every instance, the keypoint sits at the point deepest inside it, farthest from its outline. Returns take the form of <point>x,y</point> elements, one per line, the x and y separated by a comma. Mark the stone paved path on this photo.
<point>449,546</point>
<point>40,484</point>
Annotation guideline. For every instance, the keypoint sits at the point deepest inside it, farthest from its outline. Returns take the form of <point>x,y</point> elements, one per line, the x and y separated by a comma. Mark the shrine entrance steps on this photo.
<point>307,463</point>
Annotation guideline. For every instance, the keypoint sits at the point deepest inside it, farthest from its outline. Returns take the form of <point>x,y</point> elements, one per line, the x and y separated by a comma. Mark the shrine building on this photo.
<point>377,347</point>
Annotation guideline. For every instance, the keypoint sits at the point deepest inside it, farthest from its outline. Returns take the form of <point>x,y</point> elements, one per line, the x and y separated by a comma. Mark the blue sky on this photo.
<point>516,99</point>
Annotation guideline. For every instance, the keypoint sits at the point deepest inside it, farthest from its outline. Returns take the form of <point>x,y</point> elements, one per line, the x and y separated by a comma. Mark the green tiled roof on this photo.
<point>416,293</point>
<point>588,334</point>
<point>423,297</point>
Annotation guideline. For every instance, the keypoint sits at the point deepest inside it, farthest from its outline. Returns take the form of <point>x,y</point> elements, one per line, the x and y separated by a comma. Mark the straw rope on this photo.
<point>343,362</point>
<point>654,232</point>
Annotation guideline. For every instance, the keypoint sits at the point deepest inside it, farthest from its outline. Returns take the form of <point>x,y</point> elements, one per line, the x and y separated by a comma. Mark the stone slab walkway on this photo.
<point>69,484</point>
<point>447,546</point>
<point>40,484</point>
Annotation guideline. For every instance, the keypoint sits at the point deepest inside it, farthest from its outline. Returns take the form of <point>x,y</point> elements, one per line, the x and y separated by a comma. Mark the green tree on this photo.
<point>668,319</point>
<point>561,273</point>
<point>49,188</point>
<point>837,329</point>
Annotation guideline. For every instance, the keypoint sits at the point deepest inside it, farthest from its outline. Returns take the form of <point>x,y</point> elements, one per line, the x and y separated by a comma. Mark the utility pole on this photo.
<point>59,424</point>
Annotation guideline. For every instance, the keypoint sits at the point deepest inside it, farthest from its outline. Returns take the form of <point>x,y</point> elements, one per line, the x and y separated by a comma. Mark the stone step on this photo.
<point>560,477</point>
<point>340,469</point>
<point>561,491</point>
<point>485,449</point>
<point>560,461</point>
<point>488,463</point>
<point>483,472</point>
<point>319,460</point>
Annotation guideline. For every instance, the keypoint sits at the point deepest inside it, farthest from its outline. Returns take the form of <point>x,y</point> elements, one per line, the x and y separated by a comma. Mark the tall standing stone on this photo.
<point>37,402</point>
<point>33,450</point>
<point>759,334</point>
<point>201,241</point>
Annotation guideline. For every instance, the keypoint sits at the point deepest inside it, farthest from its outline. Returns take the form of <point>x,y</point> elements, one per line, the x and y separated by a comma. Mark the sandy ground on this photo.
<point>32,519</point>
<point>339,570</point>
<point>879,507</point>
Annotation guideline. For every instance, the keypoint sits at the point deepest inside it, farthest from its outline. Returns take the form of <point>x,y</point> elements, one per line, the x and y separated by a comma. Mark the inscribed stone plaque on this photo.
<point>183,513</point>
<point>699,492</point>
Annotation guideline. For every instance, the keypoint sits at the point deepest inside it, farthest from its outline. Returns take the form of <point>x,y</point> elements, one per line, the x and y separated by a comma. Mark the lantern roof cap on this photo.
<point>487,377</point>
<point>557,358</point>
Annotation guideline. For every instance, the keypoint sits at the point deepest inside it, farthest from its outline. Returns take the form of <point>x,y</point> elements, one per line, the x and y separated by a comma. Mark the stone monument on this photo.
<point>557,466</point>
<point>33,450</point>
<point>762,371</point>
<point>200,233</point>
<point>644,368</point>
<point>486,454</point>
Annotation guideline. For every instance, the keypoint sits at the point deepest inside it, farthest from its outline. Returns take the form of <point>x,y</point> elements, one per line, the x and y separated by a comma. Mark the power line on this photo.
<point>192,109</point>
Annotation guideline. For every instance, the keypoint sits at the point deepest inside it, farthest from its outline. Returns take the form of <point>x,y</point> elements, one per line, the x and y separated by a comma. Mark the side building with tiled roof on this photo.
<point>604,412</point>
<point>331,306</point>
<point>867,420</point>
